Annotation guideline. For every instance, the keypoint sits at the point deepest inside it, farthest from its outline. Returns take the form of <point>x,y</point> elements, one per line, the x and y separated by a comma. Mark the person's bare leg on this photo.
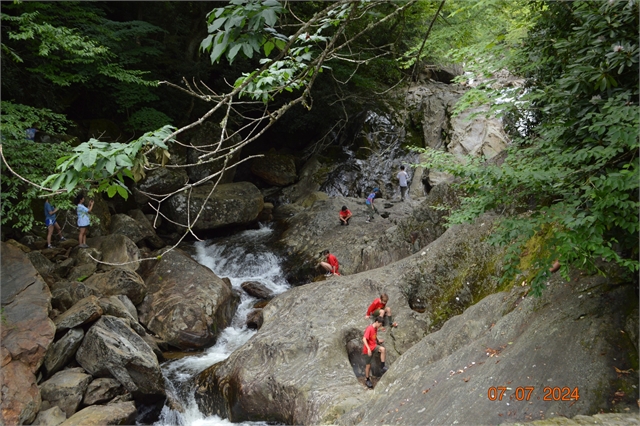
<point>367,369</point>
<point>383,351</point>
<point>58,229</point>
<point>49,234</point>
<point>326,266</point>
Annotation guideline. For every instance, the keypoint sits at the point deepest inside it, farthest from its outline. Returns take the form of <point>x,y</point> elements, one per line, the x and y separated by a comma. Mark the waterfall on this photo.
<point>241,257</point>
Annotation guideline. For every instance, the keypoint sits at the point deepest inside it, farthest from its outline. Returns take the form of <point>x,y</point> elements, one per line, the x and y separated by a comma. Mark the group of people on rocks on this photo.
<point>51,223</point>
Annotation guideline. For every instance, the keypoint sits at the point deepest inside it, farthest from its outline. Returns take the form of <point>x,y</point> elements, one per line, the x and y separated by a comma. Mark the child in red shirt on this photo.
<point>345,216</point>
<point>379,308</point>
<point>370,347</point>
<point>331,265</point>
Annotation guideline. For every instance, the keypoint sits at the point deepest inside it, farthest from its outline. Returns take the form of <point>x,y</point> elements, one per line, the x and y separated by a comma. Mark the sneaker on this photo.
<point>83,246</point>
<point>49,246</point>
<point>63,239</point>
<point>384,369</point>
<point>368,383</point>
<point>328,274</point>
<point>395,324</point>
<point>368,221</point>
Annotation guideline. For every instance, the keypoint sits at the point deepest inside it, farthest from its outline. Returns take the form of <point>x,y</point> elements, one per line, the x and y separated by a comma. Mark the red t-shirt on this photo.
<point>333,261</point>
<point>377,304</point>
<point>371,335</point>
<point>345,213</point>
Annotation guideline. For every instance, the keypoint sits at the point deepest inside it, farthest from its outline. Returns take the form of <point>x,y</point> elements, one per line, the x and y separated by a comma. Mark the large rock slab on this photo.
<point>26,335</point>
<point>112,348</point>
<point>206,139</point>
<point>51,417</point>
<point>60,353</point>
<point>85,311</point>
<point>187,305</point>
<point>138,230</point>
<point>275,169</point>
<point>232,203</point>
<point>122,413</point>
<point>477,135</point>
<point>65,390</point>
<point>102,390</point>
<point>568,338</point>
<point>119,282</point>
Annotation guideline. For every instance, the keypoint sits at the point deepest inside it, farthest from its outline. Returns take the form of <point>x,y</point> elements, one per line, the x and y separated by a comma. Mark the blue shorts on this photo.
<point>49,222</point>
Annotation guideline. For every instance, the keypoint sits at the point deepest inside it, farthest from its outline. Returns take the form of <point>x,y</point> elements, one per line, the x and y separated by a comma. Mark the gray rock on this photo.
<point>87,255</point>
<point>26,333</point>
<point>82,272</point>
<point>256,289</point>
<point>112,348</point>
<point>62,269</point>
<point>65,390</point>
<point>187,305</point>
<point>232,203</point>
<point>119,282</point>
<point>255,319</point>
<point>127,303</point>
<point>117,250</point>
<point>111,305</point>
<point>43,265</point>
<point>85,311</point>
<point>160,181</point>
<point>123,413</point>
<point>207,139</point>
<point>65,294</point>
<point>151,238</point>
<point>275,169</point>
<point>60,353</point>
<point>102,390</point>
<point>51,417</point>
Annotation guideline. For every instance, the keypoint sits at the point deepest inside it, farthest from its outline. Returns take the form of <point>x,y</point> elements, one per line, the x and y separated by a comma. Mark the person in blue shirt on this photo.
<point>50,222</point>
<point>31,133</point>
<point>83,219</point>
<point>369,202</point>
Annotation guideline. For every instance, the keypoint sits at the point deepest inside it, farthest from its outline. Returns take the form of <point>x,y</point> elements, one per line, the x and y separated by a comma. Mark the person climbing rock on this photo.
<point>331,266</point>
<point>379,308</point>
<point>369,202</point>
<point>372,345</point>
<point>50,222</point>
<point>402,178</point>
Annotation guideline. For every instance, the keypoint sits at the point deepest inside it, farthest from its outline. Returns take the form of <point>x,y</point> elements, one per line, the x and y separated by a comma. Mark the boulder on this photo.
<point>275,169</point>
<point>102,390</point>
<point>82,272</point>
<point>565,344</point>
<point>65,294</point>
<point>207,139</point>
<point>187,305</point>
<point>117,250</point>
<point>128,304</point>
<point>51,417</point>
<point>151,238</point>
<point>85,311</point>
<point>116,282</point>
<point>43,265</point>
<point>60,353</point>
<point>61,269</point>
<point>65,390</point>
<point>112,348</point>
<point>477,135</point>
<point>87,255</point>
<point>160,181</point>
<point>254,319</point>
<point>27,332</point>
<point>311,176</point>
<point>138,230</point>
<point>232,203</point>
<point>112,305</point>
<point>257,290</point>
<point>122,413</point>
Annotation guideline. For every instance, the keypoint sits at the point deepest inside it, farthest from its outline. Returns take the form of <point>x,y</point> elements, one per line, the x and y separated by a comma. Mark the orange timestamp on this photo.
<point>524,393</point>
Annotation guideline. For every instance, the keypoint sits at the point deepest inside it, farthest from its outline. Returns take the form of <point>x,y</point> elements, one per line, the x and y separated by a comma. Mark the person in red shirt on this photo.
<point>345,216</point>
<point>372,345</point>
<point>379,308</point>
<point>331,265</point>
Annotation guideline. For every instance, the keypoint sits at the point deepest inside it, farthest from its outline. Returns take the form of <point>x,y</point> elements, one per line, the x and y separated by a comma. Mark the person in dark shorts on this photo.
<point>372,345</point>
<point>331,266</point>
<point>379,308</point>
<point>345,216</point>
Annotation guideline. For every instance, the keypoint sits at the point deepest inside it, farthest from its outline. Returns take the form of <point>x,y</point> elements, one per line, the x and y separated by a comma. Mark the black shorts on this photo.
<point>373,352</point>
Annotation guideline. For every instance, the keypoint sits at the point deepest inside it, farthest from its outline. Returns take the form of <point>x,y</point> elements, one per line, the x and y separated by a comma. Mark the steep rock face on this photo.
<point>27,332</point>
<point>112,348</point>
<point>362,246</point>
<point>275,169</point>
<point>569,338</point>
<point>307,372</point>
<point>186,304</point>
<point>232,203</point>
<point>478,135</point>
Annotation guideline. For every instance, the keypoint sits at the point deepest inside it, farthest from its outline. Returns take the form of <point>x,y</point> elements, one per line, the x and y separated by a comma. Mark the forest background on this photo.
<point>571,175</point>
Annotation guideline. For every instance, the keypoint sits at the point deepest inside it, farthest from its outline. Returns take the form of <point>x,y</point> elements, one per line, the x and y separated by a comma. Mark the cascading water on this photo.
<point>242,257</point>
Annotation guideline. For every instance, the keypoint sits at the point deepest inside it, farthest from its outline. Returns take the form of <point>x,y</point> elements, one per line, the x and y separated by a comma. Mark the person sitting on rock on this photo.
<point>345,216</point>
<point>331,265</point>
<point>372,345</point>
<point>378,308</point>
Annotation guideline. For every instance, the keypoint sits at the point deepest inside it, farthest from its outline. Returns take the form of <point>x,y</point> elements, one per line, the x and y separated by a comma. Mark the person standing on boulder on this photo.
<point>402,178</point>
<point>50,222</point>
<point>331,265</point>
<point>83,219</point>
<point>372,345</point>
<point>379,308</point>
<point>345,216</point>
<point>369,202</point>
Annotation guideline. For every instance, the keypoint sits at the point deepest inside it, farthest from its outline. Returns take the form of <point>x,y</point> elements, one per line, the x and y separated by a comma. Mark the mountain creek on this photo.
<point>244,327</point>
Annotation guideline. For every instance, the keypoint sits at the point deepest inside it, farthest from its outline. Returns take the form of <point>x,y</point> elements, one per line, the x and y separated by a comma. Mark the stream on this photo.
<point>242,257</point>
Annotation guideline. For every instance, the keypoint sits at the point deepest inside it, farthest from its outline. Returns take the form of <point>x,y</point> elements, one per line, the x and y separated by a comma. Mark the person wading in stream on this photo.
<point>372,345</point>
<point>331,266</point>
<point>378,308</point>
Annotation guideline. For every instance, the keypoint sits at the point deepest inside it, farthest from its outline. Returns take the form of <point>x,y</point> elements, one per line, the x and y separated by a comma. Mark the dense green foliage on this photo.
<point>571,175</point>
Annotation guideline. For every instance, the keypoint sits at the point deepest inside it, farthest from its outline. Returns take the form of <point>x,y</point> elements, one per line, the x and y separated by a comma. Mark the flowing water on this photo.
<point>241,257</point>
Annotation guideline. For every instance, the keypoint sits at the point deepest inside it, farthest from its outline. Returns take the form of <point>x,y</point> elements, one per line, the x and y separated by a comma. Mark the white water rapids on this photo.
<point>242,257</point>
